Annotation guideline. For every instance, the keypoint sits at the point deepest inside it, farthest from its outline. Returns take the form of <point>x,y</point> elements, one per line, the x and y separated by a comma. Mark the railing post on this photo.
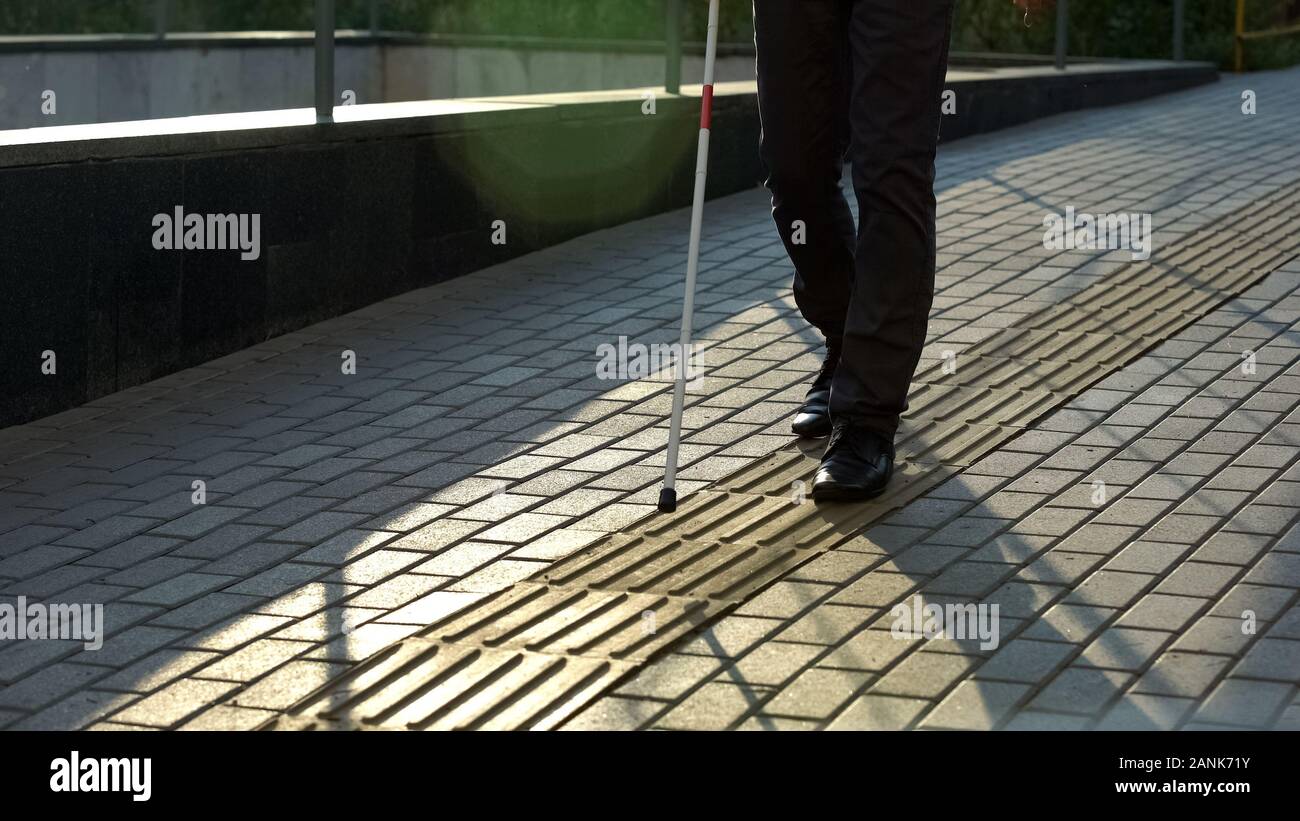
<point>374,18</point>
<point>1238,59</point>
<point>160,19</point>
<point>1062,31</point>
<point>324,61</point>
<point>1178,29</point>
<point>673,46</point>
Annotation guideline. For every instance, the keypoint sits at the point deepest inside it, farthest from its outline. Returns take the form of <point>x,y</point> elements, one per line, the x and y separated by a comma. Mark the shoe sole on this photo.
<point>845,494</point>
<point>811,434</point>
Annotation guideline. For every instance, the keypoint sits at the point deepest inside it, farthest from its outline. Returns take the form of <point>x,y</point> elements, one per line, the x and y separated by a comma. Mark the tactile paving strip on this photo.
<point>532,655</point>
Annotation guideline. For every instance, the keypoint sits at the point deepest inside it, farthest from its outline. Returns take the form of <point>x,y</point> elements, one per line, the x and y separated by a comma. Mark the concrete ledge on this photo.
<point>100,79</point>
<point>390,198</point>
<point>994,98</point>
<point>987,99</point>
<point>110,78</point>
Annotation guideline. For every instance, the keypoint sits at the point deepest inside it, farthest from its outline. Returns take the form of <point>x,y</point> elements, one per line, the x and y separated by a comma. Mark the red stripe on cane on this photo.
<point>706,110</point>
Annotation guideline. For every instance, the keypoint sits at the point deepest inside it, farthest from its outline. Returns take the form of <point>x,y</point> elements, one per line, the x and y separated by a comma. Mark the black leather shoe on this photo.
<point>813,419</point>
<point>856,465</point>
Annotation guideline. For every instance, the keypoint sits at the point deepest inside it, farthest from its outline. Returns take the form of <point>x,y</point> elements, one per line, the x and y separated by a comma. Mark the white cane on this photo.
<point>668,494</point>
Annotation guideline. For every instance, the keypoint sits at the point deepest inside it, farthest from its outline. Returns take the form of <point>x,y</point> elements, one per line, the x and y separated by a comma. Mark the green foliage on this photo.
<point>73,17</point>
<point>1098,28</point>
<point>1131,28</point>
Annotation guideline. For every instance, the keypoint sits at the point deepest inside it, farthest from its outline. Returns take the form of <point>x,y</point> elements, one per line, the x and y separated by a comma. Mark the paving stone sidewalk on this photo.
<point>1141,545</point>
<point>476,445</point>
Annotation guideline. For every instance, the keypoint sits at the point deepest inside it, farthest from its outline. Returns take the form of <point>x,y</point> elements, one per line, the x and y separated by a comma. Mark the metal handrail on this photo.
<point>1178,29</point>
<point>673,46</point>
<point>673,20</point>
<point>1062,32</point>
<point>325,61</point>
<point>673,41</point>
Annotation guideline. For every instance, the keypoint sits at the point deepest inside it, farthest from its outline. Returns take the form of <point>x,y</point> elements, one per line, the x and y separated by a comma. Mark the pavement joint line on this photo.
<point>1194,302</point>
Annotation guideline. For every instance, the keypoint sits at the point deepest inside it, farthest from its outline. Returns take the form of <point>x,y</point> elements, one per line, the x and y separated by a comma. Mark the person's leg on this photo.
<point>803,88</point>
<point>899,57</point>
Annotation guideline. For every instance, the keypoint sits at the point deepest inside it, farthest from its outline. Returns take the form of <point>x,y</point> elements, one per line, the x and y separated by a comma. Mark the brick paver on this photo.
<point>475,446</point>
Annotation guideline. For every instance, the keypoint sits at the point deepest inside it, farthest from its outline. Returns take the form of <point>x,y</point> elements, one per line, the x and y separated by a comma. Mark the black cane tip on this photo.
<point>667,500</point>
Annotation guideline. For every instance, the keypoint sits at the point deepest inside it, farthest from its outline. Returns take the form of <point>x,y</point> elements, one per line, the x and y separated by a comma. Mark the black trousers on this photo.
<point>862,80</point>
